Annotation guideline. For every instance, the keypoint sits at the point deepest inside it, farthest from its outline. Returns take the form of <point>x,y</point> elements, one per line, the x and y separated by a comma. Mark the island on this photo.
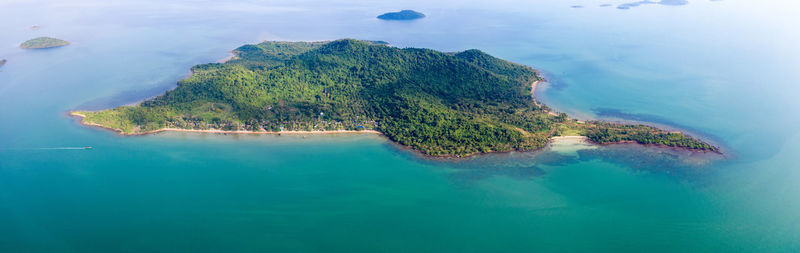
<point>43,42</point>
<point>402,15</point>
<point>3,62</point>
<point>440,104</point>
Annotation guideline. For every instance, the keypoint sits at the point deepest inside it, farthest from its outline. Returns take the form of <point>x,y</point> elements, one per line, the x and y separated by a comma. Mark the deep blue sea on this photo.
<point>725,71</point>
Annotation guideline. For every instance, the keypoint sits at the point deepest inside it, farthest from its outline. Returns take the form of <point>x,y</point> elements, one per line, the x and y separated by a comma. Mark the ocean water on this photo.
<point>724,71</point>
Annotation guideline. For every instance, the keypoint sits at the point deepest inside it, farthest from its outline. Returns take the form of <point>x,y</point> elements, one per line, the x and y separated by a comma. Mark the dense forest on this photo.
<point>438,103</point>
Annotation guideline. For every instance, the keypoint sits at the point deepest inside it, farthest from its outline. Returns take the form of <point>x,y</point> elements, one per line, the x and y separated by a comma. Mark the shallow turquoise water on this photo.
<point>723,70</point>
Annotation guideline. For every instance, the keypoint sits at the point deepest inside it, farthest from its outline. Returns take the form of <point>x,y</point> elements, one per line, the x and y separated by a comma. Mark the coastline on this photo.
<point>585,139</point>
<point>533,96</point>
<point>569,137</point>
<point>533,89</point>
<point>228,58</point>
<point>216,131</point>
<point>553,140</point>
<point>82,121</point>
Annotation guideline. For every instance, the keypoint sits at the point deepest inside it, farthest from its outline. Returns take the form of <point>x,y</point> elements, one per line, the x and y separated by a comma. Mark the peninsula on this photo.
<point>441,104</point>
<point>402,15</point>
<point>43,42</point>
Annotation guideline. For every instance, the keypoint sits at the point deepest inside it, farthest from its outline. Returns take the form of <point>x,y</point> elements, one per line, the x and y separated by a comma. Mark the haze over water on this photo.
<point>724,71</point>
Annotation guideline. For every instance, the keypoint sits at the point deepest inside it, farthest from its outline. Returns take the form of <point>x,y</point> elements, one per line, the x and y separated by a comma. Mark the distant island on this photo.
<point>2,62</point>
<point>441,104</point>
<point>43,42</point>
<point>402,15</point>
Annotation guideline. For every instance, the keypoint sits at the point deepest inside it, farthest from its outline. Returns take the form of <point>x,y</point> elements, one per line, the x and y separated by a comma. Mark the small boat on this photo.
<point>87,147</point>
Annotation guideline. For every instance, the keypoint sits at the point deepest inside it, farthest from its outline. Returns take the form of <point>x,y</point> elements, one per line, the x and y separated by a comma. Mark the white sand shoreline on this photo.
<point>533,90</point>
<point>552,140</point>
<point>217,131</point>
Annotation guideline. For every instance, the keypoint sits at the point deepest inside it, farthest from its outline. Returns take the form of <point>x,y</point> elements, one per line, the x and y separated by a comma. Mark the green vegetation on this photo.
<point>603,132</point>
<point>43,42</point>
<point>438,103</point>
<point>401,15</point>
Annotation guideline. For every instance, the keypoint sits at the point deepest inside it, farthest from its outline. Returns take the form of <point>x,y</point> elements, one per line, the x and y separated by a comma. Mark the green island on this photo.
<point>402,15</point>
<point>43,42</point>
<point>441,104</point>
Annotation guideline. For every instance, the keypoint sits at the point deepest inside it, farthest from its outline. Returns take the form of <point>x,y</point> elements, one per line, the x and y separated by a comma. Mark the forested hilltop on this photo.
<point>438,103</point>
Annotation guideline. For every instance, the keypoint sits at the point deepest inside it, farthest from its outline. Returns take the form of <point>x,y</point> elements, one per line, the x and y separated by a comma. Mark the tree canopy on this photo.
<point>438,103</point>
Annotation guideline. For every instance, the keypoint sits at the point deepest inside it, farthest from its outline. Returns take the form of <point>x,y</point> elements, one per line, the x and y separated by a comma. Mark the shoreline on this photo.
<point>551,141</point>
<point>533,90</point>
<point>533,96</point>
<point>568,137</point>
<point>228,58</point>
<point>624,121</point>
<point>216,131</point>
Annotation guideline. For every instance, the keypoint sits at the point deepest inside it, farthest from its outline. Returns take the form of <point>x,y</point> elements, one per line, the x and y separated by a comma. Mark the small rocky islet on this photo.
<point>43,42</point>
<point>402,15</point>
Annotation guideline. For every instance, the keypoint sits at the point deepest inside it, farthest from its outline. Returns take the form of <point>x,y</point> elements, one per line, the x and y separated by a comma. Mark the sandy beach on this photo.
<point>533,89</point>
<point>261,132</point>
<point>569,144</point>
<point>217,131</point>
<point>569,138</point>
<point>553,140</point>
<point>226,59</point>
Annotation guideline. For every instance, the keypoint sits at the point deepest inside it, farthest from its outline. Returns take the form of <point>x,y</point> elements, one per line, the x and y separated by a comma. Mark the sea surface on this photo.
<point>724,71</point>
